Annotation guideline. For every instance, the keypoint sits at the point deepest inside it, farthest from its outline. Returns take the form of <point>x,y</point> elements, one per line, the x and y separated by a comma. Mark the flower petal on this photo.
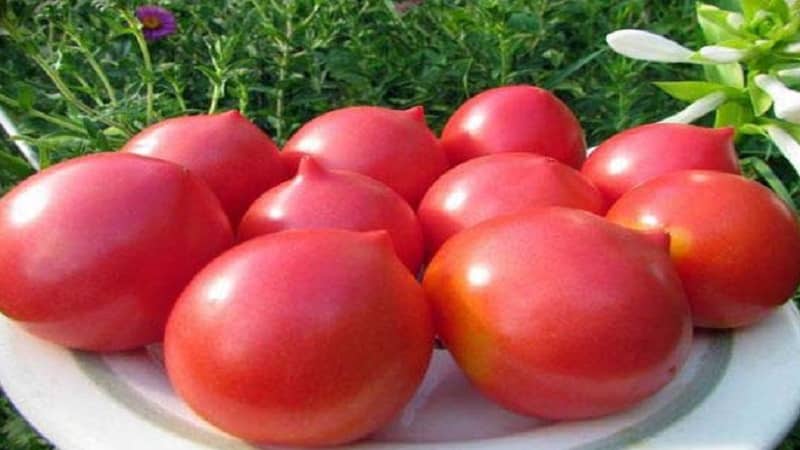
<point>697,109</point>
<point>786,144</point>
<point>786,101</point>
<point>647,46</point>
<point>722,55</point>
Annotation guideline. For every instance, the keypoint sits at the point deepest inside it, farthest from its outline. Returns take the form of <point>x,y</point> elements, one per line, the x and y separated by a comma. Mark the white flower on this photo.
<point>697,109</point>
<point>735,20</point>
<point>786,101</point>
<point>647,46</point>
<point>794,47</point>
<point>786,144</point>
<point>720,54</point>
<point>790,74</point>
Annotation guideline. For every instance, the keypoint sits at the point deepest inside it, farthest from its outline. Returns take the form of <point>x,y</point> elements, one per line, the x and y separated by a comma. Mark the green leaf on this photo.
<point>523,22</point>
<point>562,75</point>
<point>25,97</point>
<point>690,91</point>
<point>733,114</point>
<point>15,165</point>
<point>715,23</point>
<point>766,173</point>
<point>761,100</point>
<point>751,7</point>
<point>727,74</point>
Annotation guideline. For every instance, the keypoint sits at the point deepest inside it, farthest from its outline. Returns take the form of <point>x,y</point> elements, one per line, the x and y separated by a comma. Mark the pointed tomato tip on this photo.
<point>726,133</point>
<point>309,168</point>
<point>659,238</point>
<point>233,114</point>
<point>416,113</point>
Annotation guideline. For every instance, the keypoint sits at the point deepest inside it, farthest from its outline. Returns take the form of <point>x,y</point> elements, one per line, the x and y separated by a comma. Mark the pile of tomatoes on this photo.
<point>285,285</point>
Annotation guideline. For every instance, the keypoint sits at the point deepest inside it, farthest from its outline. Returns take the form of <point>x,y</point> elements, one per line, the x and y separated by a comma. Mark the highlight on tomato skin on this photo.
<point>301,337</point>
<point>237,160</point>
<point>560,314</point>
<point>519,118</point>
<point>503,183</point>
<point>395,147</point>
<point>633,156</point>
<point>734,242</point>
<point>96,249</point>
<point>320,198</point>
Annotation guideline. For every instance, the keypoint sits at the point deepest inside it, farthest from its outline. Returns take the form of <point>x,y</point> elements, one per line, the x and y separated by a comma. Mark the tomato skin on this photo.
<point>237,160</point>
<point>500,184</point>
<point>735,244</point>
<point>303,337</point>
<point>559,314</point>
<point>320,198</point>
<point>518,118</point>
<point>642,153</point>
<point>394,147</point>
<point>97,249</point>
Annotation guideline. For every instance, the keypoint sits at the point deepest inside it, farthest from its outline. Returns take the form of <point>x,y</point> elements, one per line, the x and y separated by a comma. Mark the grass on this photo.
<point>78,78</point>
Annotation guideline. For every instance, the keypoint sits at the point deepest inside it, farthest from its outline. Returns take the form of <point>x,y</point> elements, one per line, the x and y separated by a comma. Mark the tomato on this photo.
<point>320,198</point>
<point>559,314</point>
<point>393,147</point>
<point>237,160</point>
<point>499,184</point>
<point>303,337</point>
<point>514,119</point>
<point>634,156</point>
<point>97,249</point>
<point>735,244</point>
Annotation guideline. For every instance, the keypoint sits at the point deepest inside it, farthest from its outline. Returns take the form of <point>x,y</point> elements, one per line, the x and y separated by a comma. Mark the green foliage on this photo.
<point>15,433</point>
<point>76,77</point>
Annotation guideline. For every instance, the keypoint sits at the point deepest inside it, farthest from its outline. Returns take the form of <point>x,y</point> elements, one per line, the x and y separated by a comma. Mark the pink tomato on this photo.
<point>97,249</point>
<point>514,119</point>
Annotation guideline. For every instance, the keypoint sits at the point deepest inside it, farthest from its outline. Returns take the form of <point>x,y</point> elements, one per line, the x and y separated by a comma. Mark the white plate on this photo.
<point>739,390</point>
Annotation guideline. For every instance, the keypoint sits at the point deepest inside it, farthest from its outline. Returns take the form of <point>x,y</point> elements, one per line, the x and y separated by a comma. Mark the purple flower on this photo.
<point>157,22</point>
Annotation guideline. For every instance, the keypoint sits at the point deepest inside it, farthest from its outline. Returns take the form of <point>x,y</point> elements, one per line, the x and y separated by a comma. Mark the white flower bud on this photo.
<point>790,74</point>
<point>735,20</point>
<point>794,48</point>
<point>647,46</point>
<point>697,109</point>
<point>786,101</point>
<point>786,144</point>
<point>722,55</point>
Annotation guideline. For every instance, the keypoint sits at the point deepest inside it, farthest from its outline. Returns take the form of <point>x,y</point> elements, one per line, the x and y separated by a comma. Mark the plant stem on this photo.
<point>44,116</point>
<point>98,69</point>
<point>283,64</point>
<point>148,65</point>
<point>216,92</point>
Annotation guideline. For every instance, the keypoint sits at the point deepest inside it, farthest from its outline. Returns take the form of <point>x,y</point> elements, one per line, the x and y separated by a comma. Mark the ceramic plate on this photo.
<point>739,390</point>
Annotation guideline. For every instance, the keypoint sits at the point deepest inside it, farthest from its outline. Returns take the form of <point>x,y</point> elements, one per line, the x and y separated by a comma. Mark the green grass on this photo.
<point>74,76</point>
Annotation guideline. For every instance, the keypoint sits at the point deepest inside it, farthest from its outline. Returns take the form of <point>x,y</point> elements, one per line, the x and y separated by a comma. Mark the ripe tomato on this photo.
<point>499,184</point>
<point>393,147</point>
<point>559,314</point>
<point>735,244</point>
<point>97,249</point>
<point>237,160</point>
<point>634,156</point>
<point>514,119</point>
<point>319,198</point>
<point>303,337</point>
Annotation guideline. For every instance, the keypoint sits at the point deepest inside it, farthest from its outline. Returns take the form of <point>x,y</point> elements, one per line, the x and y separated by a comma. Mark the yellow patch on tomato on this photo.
<point>680,242</point>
